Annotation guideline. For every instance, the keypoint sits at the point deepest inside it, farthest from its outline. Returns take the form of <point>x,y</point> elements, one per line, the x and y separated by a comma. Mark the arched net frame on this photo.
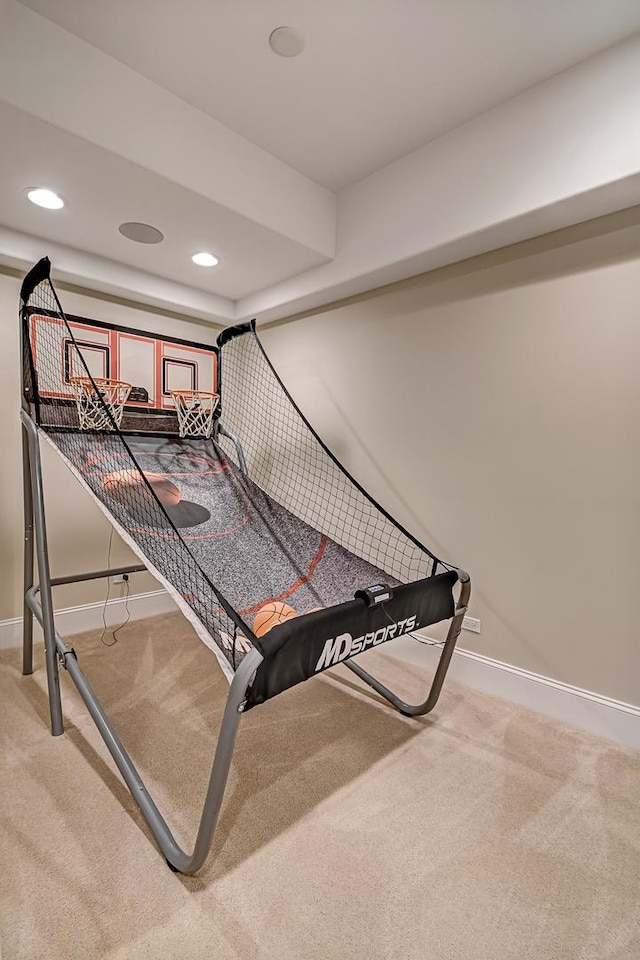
<point>195,410</point>
<point>289,461</point>
<point>96,398</point>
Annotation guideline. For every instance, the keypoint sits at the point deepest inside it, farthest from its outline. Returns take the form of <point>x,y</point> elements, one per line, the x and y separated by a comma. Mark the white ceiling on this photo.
<point>377,78</point>
<point>408,133</point>
<point>105,190</point>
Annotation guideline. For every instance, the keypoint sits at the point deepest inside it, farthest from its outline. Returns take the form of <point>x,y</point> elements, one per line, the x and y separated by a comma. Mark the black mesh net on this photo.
<point>105,462</point>
<point>287,459</point>
<point>296,528</point>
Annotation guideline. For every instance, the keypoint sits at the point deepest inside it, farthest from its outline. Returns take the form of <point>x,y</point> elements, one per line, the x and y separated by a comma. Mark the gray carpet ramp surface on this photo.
<point>249,546</point>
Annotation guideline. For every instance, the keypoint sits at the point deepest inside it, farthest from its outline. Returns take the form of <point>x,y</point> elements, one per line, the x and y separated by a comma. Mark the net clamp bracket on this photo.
<point>378,593</point>
<point>62,657</point>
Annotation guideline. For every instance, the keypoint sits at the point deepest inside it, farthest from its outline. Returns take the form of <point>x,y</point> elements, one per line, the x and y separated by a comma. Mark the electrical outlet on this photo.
<point>470,623</point>
<point>123,578</point>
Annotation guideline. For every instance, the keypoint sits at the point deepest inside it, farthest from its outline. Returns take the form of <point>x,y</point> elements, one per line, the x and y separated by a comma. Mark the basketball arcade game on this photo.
<point>238,509</point>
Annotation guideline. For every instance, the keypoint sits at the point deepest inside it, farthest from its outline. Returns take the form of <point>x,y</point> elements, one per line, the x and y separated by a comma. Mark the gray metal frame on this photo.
<point>38,602</point>
<point>419,709</point>
<point>222,431</point>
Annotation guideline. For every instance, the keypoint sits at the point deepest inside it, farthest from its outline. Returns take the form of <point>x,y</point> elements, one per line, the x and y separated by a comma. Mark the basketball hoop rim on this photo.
<point>195,393</point>
<point>106,381</point>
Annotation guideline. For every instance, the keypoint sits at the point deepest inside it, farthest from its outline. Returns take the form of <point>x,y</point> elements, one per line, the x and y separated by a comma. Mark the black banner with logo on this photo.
<point>301,647</point>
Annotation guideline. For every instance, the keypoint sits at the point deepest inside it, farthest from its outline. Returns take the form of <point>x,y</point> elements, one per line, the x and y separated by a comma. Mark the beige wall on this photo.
<point>494,408</point>
<point>78,533</point>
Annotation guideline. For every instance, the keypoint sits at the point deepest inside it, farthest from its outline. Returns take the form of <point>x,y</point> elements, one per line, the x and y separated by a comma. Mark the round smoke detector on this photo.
<point>141,232</point>
<point>286,42</point>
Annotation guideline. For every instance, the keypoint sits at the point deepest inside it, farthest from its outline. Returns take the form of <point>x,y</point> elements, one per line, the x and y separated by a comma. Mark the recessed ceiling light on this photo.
<point>205,259</point>
<point>140,232</point>
<point>45,198</point>
<point>286,42</point>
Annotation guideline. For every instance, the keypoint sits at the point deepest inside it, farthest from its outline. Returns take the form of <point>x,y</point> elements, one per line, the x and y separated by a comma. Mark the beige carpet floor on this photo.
<point>483,832</point>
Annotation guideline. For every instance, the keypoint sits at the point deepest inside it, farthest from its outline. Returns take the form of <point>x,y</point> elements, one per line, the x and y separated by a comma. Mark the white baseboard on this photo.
<point>581,708</point>
<point>88,616</point>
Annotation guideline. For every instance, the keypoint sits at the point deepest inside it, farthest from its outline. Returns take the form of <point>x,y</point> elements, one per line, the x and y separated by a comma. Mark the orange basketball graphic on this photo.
<point>129,488</point>
<point>270,615</point>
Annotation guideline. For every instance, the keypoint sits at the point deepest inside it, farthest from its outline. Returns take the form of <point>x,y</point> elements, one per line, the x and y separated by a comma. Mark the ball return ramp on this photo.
<point>254,514</point>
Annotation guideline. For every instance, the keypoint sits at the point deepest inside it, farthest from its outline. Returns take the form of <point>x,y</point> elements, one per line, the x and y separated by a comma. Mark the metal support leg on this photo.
<point>44,575</point>
<point>27,615</point>
<point>177,858</point>
<point>98,574</point>
<point>419,709</point>
<point>223,432</point>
